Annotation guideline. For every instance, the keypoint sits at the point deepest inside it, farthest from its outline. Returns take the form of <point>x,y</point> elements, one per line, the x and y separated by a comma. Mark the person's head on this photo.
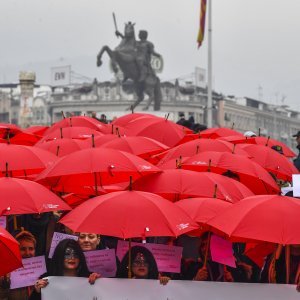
<point>249,134</point>
<point>181,115</point>
<point>27,244</point>
<point>297,136</point>
<point>94,114</point>
<point>143,35</point>
<point>68,257</point>
<point>88,241</point>
<point>143,264</point>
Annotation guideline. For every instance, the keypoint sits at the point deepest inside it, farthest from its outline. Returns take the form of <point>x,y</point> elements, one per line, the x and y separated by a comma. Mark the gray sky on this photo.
<point>255,42</point>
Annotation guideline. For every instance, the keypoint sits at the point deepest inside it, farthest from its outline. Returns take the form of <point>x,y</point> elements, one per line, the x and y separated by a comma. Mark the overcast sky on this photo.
<point>255,42</point>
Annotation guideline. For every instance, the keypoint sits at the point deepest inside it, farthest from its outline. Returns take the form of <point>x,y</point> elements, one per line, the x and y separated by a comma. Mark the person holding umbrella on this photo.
<point>143,265</point>
<point>27,244</point>
<point>68,260</point>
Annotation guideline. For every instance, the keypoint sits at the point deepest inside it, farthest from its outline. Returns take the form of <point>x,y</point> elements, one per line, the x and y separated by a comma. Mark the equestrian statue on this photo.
<point>133,58</point>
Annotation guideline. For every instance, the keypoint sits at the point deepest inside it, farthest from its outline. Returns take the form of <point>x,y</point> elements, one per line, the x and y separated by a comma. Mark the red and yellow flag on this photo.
<point>202,22</point>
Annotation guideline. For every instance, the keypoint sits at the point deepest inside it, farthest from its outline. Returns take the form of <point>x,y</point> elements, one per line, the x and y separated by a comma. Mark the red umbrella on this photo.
<point>62,147</point>
<point>129,214</point>
<point>94,167</point>
<point>19,196</point>
<point>99,140</point>
<point>24,138</point>
<point>79,121</point>
<point>138,145</point>
<point>269,218</point>
<point>160,129</point>
<point>38,129</point>
<point>6,128</point>
<point>124,120</point>
<point>251,174</point>
<point>75,199</point>
<point>201,210</point>
<point>266,141</point>
<point>22,161</point>
<point>213,133</point>
<point>237,139</point>
<point>80,133</point>
<point>271,160</point>
<point>194,147</point>
<point>180,184</point>
<point>9,253</point>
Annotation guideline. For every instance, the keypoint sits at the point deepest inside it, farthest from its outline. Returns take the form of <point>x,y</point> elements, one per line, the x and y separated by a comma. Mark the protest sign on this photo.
<point>221,251</point>
<point>57,237</point>
<point>32,269</point>
<point>168,258</point>
<point>102,262</point>
<point>76,288</point>
<point>296,185</point>
<point>3,221</point>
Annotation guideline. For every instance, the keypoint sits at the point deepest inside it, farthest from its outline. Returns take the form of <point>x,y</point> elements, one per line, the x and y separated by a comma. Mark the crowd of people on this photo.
<point>196,263</point>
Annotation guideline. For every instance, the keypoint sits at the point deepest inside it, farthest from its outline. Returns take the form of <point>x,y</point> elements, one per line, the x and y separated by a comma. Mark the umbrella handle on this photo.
<point>206,250</point>
<point>129,260</point>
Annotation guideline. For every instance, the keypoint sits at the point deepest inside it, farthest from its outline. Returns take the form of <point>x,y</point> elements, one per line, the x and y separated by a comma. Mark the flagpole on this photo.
<point>209,67</point>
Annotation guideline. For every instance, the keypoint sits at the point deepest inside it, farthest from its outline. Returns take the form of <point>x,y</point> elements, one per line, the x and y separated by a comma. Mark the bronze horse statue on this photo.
<point>124,57</point>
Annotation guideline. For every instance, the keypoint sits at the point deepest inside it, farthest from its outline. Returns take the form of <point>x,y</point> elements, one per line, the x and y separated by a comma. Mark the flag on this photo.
<point>202,22</point>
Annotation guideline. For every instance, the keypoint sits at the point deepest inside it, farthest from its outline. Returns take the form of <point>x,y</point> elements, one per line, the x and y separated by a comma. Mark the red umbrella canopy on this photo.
<point>159,129</point>
<point>11,129</point>
<point>80,133</point>
<point>94,167</point>
<point>62,147</point>
<point>266,141</point>
<point>138,145</point>
<point>99,140</point>
<point>19,196</point>
<point>79,121</point>
<point>269,218</point>
<point>129,214</point>
<point>24,138</point>
<point>271,160</point>
<point>21,161</point>
<point>201,210</point>
<point>251,174</point>
<point>194,147</point>
<point>9,253</point>
<point>38,129</point>
<point>213,133</point>
<point>124,120</point>
<point>180,184</point>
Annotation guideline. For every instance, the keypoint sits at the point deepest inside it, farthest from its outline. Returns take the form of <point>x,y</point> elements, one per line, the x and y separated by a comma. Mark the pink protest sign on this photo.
<point>102,262</point>
<point>221,251</point>
<point>32,269</point>
<point>168,258</point>
<point>3,222</point>
<point>57,237</point>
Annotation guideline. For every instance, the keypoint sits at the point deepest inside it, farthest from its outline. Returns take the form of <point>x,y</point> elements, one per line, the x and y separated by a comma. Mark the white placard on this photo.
<point>57,237</point>
<point>32,269</point>
<point>102,262</point>
<point>296,185</point>
<point>60,75</point>
<point>76,288</point>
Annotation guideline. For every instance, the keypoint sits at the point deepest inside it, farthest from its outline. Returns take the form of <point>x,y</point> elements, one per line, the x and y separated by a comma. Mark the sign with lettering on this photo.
<point>57,237</point>
<point>32,269</point>
<point>61,75</point>
<point>168,258</point>
<point>102,262</point>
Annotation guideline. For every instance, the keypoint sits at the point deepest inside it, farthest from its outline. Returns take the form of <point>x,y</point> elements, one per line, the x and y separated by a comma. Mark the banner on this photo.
<point>60,75</point>
<point>32,269</point>
<point>64,288</point>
